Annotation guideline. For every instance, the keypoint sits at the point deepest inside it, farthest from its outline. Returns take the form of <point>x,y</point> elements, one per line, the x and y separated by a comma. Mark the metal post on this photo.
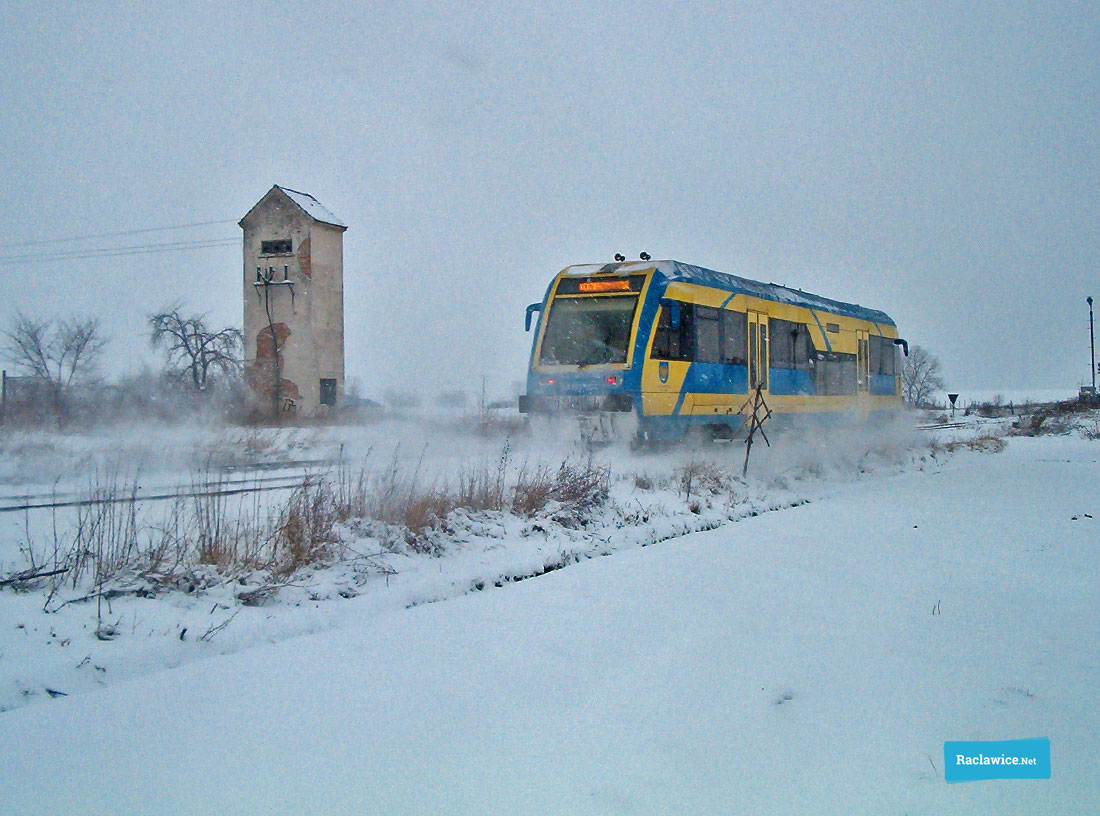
<point>1092,347</point>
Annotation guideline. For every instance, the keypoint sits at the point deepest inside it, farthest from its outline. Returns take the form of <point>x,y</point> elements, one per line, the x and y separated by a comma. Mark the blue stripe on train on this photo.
<point>787,381</point>
<point>716,378</point>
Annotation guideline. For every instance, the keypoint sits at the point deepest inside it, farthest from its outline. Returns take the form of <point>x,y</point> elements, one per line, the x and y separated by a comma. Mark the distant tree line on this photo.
<point>55,376</point>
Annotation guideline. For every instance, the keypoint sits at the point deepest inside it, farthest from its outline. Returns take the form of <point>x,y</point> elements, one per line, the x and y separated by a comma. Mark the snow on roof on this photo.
<point>314,208</point>
<point>677,271</point>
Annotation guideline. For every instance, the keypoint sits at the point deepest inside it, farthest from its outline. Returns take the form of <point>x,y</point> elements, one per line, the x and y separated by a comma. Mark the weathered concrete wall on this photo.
<point>303,302</point>
<point>327,246</point>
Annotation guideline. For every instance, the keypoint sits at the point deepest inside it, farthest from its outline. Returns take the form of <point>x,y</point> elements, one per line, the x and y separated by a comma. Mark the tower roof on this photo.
<point>306,203</point>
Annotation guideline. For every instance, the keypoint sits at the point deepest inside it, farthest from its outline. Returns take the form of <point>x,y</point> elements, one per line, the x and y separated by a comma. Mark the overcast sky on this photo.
<point>937,161</point>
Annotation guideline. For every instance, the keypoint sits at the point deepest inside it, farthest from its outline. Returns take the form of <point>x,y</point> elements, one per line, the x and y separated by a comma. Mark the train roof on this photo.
<point>676,271</point>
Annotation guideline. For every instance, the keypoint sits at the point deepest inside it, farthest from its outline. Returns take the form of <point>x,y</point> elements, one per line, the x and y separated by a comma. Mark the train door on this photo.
<point>758,351</point>
<point>863,363</point>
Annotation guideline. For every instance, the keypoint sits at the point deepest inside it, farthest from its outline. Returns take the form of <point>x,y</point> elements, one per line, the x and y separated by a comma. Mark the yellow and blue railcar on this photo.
<point>677,347</point>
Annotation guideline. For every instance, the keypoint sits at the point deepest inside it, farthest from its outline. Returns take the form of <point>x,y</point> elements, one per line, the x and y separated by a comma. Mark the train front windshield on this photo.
<point>584,331</point>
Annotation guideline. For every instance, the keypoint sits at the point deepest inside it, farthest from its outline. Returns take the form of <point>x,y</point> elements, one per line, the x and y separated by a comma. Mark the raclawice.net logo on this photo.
<point>1006,759</point>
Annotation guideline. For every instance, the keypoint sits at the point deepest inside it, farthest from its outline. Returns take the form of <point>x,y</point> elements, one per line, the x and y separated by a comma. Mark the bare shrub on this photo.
<point>223,533</point>
<point>1048,422</point>
<point>533,489</point>
<point>484,488</point>
<point>396,497</point>
<point>305,532</point>
<point>423,512</point>
<point>701,476</point>
<point>350,489</point>
<point>982,444</point>
<point>580,486</point>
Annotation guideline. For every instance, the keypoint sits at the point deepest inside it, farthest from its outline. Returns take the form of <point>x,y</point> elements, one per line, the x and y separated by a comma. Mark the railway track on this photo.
<point>973,423</point>
<point>127,491</point>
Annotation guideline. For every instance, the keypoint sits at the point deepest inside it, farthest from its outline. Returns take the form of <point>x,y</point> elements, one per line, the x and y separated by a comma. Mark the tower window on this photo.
<point>281,247</point>
<point>328,392</point>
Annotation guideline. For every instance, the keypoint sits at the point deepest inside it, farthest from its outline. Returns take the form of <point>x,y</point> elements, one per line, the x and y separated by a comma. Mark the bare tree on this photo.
<point>57,353</point>
<point>920,376</point>
<point>195,351</point>
<point>62,351</point>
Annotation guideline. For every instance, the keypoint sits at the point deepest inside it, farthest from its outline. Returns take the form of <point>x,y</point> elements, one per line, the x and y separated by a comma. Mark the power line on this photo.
<point>69,238</point>
<point>115,252</point>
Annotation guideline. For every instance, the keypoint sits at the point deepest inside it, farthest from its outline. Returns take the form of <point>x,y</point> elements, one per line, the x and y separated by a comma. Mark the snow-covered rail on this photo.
<point>128,491</point>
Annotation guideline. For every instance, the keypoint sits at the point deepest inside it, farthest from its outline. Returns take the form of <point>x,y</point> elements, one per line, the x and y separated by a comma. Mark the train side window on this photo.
<point>821,368</point>
<point>875,351</point>
<point>882,355</point>
<point>790,345</point>
<point>670,343</point>
<point>782,344</point>
<point>889,356</point>
<point>765,350</point>
<point>753,376</point>
<point>834,373</point>
<point>848,375</point>
<point>707,335</point>
<point>802,349</point>
<point>734,334</point>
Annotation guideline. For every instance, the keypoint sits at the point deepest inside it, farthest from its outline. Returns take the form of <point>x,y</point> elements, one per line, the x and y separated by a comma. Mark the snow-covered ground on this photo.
<point>51,648</point>
<point>811,659</point>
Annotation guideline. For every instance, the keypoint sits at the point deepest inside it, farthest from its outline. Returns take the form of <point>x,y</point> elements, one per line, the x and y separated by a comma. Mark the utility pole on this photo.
<point>1092,347</point>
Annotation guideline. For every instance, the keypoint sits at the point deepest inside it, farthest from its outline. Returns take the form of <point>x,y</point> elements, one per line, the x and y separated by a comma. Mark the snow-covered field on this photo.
<point>856,604</point>
<point>1016,397</point>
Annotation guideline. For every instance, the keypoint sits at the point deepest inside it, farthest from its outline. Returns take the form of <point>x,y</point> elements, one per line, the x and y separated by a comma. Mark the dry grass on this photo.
<point>484,488</point>
<point>702,477</point>
<point>1043,423</point>
<point>982,444</point>
<point>398,498</point>
<point>119,540</point>
<point>578,486</point>
<point>304,533</point>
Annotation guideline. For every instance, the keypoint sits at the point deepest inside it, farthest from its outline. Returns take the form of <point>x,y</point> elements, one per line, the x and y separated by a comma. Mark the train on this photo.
<point>658,350</point>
